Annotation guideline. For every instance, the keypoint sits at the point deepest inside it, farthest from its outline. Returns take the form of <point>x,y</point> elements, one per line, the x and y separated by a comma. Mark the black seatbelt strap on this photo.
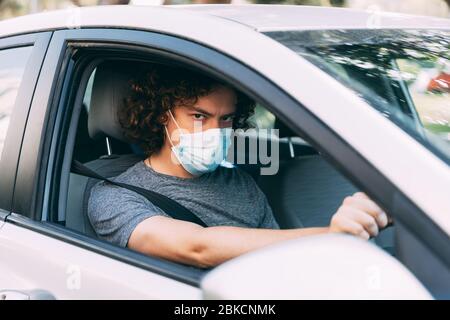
<point>169,206</point>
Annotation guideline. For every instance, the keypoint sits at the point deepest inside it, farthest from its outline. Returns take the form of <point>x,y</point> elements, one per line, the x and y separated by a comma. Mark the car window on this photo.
<point>428,85</point>
<point>262,118</point>
<point>12,66</point>
<point>404,74</point>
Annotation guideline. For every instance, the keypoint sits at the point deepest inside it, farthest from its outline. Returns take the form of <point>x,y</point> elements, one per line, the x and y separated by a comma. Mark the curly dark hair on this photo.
<point>161,88</point>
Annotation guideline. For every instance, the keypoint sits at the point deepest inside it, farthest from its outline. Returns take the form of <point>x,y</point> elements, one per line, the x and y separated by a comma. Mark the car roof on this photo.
<point>285,17</point>
<point>256,17</point>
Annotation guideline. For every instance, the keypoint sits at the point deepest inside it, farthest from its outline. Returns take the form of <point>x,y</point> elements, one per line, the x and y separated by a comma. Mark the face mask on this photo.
<point>203,151</point>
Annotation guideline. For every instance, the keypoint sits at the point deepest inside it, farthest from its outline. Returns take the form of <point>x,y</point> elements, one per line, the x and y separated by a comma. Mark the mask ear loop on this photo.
<point>170,140</point>
<point>171,115</point>
<point>167,132</point>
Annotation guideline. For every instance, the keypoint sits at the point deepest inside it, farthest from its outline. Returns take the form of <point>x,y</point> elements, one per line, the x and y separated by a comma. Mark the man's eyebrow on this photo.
<point>199,109</point>
<point>229,114</point>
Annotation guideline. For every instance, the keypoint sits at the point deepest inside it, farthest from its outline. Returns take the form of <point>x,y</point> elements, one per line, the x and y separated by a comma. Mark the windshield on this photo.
<point>404,74</point>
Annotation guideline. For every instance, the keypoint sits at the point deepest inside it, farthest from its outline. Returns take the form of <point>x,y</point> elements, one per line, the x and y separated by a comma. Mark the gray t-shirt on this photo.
<point>224,197</point>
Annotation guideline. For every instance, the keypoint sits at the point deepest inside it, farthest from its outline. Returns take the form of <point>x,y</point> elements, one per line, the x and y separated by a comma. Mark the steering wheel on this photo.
<point>385,239</point>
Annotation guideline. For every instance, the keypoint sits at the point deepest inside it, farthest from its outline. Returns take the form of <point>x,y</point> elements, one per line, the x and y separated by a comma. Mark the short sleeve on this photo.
<point>265,216</point>
<point>115,212</point>
<point>268,220</point>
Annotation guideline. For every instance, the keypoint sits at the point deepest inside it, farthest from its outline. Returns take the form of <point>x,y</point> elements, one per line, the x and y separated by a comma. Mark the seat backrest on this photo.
<point>305,192</point>
<point>80,188</point>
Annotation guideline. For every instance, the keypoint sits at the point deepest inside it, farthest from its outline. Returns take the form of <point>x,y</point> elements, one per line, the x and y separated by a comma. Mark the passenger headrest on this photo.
<point>110,88</point>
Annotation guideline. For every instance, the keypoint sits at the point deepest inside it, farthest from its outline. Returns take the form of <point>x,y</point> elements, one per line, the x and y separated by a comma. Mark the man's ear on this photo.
<point>164,119</point>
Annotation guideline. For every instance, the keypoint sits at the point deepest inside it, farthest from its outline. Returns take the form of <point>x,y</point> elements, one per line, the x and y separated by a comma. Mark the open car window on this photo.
<point>302,189</point>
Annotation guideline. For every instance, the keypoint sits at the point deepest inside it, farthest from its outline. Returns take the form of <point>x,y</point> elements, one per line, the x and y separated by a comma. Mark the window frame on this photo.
<point>33,185</point>
<point>38,43</point>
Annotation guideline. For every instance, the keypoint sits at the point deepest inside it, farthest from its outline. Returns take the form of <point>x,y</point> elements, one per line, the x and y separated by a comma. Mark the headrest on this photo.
<point>110,88</point>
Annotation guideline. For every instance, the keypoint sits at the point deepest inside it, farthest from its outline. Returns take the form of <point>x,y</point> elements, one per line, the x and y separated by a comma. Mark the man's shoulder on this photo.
<point>131,175</point>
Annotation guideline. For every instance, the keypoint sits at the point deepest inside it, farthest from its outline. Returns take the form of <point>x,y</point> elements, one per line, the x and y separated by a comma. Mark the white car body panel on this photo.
<point>389,149</point>
<point>192,19</point>
<point>278,17</point>
<point>326,267</point>
<point>35,261</point>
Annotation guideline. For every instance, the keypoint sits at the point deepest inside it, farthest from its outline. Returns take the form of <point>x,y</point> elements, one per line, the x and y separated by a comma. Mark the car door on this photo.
<point>82,267</point>
<point>20,61</point>
<point>46,261</point>
<point>21,58</point>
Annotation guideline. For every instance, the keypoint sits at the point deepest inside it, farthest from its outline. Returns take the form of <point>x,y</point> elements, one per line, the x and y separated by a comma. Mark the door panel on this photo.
<point>39,262</point>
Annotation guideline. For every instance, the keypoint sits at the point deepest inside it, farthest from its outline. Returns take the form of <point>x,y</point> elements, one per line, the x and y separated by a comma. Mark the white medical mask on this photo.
<point>203,151</point>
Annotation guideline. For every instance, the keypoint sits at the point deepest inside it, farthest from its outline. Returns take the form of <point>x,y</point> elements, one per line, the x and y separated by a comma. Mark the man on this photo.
<point>183,121</point>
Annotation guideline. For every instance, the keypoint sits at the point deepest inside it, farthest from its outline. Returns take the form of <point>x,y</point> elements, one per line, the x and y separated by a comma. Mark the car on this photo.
<point>347,91</point>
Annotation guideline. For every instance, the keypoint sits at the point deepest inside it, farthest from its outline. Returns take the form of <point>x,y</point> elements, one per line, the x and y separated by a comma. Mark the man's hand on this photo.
<point>360,216</point>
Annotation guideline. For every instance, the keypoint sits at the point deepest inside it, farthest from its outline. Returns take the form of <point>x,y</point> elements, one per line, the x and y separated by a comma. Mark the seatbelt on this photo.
<point>169,206</point>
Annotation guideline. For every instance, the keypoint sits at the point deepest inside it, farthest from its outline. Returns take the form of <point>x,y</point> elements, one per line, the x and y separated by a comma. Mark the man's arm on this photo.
<point>189,243</point>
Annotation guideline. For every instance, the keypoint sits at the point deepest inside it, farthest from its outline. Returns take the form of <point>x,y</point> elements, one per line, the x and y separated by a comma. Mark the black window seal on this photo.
<point>341,155</point>
<point>3,214</point>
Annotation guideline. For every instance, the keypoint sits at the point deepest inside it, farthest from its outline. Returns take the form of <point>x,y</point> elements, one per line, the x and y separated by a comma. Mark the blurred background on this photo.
<point>438,8</point>
<point>428,80</point>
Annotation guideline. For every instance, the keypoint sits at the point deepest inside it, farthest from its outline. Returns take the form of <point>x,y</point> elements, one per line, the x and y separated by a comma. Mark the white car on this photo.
<point>361,101</point>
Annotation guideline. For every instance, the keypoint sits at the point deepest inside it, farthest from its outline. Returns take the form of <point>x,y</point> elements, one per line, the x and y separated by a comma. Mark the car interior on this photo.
<point>305,192</point>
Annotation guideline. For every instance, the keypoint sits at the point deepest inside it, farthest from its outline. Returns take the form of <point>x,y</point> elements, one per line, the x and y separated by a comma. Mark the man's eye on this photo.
<point>199,116</point>
<point>227,119</point>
